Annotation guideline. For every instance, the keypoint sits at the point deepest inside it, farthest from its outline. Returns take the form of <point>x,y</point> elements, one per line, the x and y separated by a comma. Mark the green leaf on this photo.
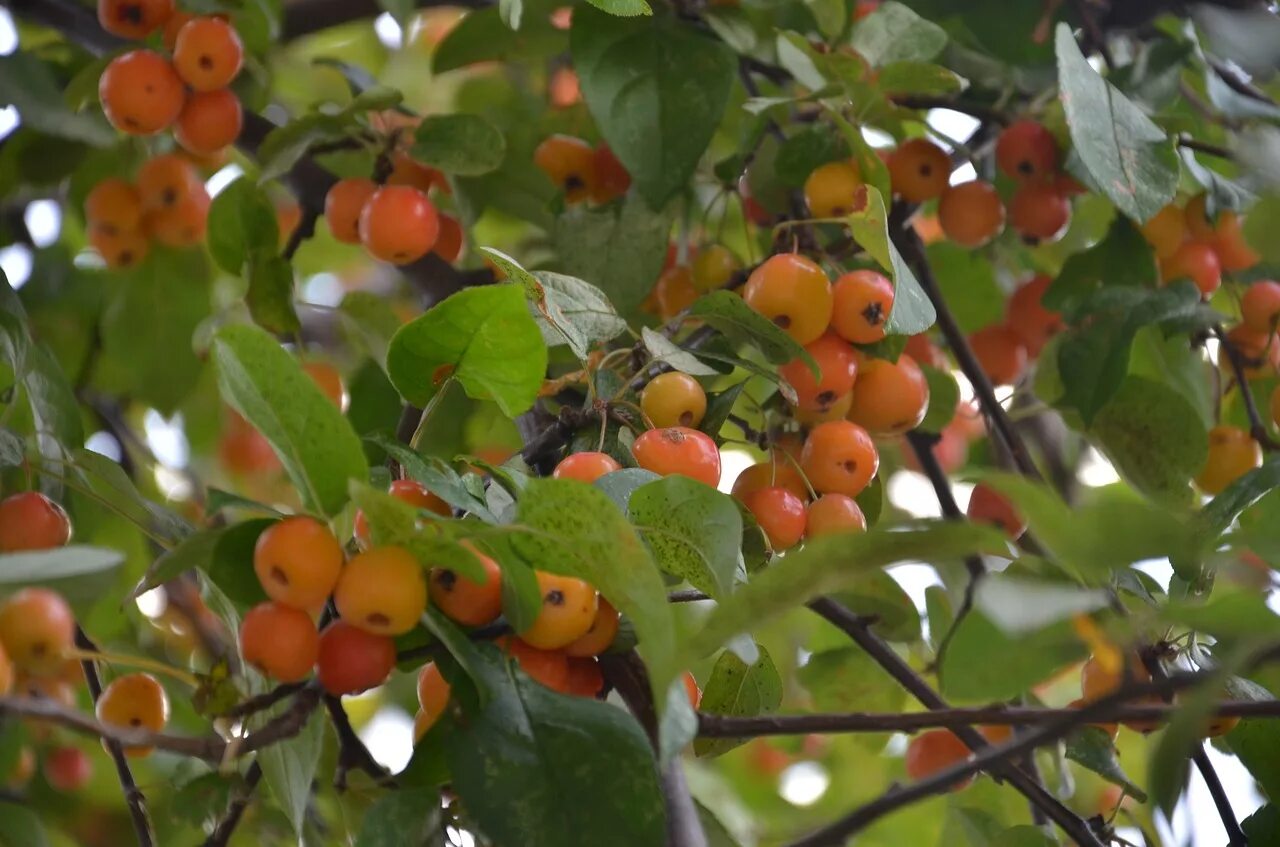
<point>231,566</point>
<point>623,8</point>
<point>289,768</point>
<point>575,529</point>
<point>532,765</point>
<point>739,690</point>
<point>107,480</point>
<point>12,449</point>
<point>807,149</point>
<point>846,679</point>
<point>148,324</point>
<point>919,78</point>
<point>664,350</point>
<point>20,826</point>
<point>459,144</point>
<point>1110,529</point>
<point>741,324</point>
<point>80,573</point>
<point>1229,612</point>
<point>968,284</point>
<point>483,36</point>
<point>242,225</point>
<point>1092,748</point>
<point>401,10</point>
<point>1024,836</point>
<point>270,296</point>
<point>1093,358</point>
<point>1128,157</point>
<point>620,246</point>
<point>1255,740</point>
<point>370,322</point>
<point>1021,604</point>
<point>894,33</point>
<point>315,443</point>
<point>944,394</point>
<point>395,522</point>
<point>285,145</point>
<point>1154,437</point>
<point>719,405</point>
<point>27,84</point>
<point>618,486</point>
<point>912,312</point>
<point>1122,258</point>
<point>834,564</point>
<point>968,672</point>
<point>194,551</point>
<point>439,478</point>
<point>1263,826</point>
<point>694,531</point>
<point>488,338</point>
<point>1219,513</point>
<point>880,596</point>
<point>406,816</point>
<point>635,75</point>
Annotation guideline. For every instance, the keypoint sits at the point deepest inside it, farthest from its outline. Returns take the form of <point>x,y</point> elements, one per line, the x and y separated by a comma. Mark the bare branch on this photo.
<point>352,754</point>
<point>235,809</point>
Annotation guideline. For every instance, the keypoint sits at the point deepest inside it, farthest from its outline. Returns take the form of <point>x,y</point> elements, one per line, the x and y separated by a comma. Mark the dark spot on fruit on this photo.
<point>926,169</point>
<point>129,14</point>
<point>377,619</point>
<point>849,465</point>
<point>39,648</point>
<point>135,721</point>
<point>554,597</point>
<point>1026,168</point>
<point>169,196</point>
<point>839,212</point>
<point>826,398</point>
<point>782,321</point>
<point>205,62</point>
<point>573,183</point>
<point>1030,240</point>
<point>686,419</point>
<point>149,88</point>
<point>279,576</point>
<point>131,123</point>
<point>446,579</point>
<point>873,314</point>
<point>126,257</point>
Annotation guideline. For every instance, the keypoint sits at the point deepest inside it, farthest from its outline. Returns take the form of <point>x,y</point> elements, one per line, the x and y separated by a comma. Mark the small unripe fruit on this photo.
<point>794,293</point>
<point>279,641</point>
<point>679,450</point>
<point>587,466</point>
<point>31,521</point>
<point>352,660</point>
<point>674,399</point>
<point>136,701</point>
<point>861,303</point>
<point>568,610</point>
<point>298,561</point>
<point>37,628</point>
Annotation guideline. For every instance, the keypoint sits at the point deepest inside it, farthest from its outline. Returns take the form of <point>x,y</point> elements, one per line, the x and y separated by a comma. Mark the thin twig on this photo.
<point>1257,427</point>
<point>133,795</point>
<point>1097,37</point>
<point>262,702</point>
<point>235,809</point>
<point>1205,147</point>
<point>981,111</point>
<point>1221,801</point>
<point>352,754</point>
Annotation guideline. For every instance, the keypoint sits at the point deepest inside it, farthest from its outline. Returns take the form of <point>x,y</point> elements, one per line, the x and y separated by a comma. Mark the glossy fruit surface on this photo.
<point>342,207</point>
<point>208,53</point>
<point>166,182</point>
<point>889,397</point>
<point>971,213</point>
<point>209,121</point>
<point>549,667</point>
<point>584,678</point>
<point>329,380</point>
<point>448,244</point>
<point>279,641</point>
<point>830,190</point>
<point>570,163</point>
<point>1025,150</point>
<point>933,751</point>
<point>114,205</point>
<point>838,366</point>
<point>1166,231</point>
<point>778,471</point>
<point>136,701</point>
<point>674,291</point>
<point>919,170</point>
<point>67,769</point>
<point>31,521</point>
<point>1001,353</point>
<point>352,660</point>
<point>568,610</point>
<point>1196,261</point>
<point>839,458</point>
<point>465,600</point>
<point>986,505</point>
<point>600,636</point>
<point>1027,315</point>
<point>834,513</point>
<point>691,688</point>
<point>794,293</point>
<point>433,691</point>
<point>587,466</point>
<point>1039,213</point>
<point>398,224</point>
<point>1234,251</point>
<point>1232,454</point>
<point>382,590</point>
<point>780,513</point>
<point>861,303</point>
<point>141,93</point>
<point>37,627</point>
<point>1260,306</point>
<point>133,19</point>
<point>298,561</point>
<point>674,399</point>
<point>681,451</point>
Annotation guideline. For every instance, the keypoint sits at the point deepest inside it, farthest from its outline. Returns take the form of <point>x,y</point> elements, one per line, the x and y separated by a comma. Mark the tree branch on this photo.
<point>858,630</point>
<point>1257,427</point>
<point>352,754</point>
<point>235,809</point>
<point>1230,823</point>
<point>133,795</point>
<point>912,249</point>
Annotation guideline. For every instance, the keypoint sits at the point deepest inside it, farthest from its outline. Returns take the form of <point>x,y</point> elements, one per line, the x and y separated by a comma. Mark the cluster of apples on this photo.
<point>167,203</point>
